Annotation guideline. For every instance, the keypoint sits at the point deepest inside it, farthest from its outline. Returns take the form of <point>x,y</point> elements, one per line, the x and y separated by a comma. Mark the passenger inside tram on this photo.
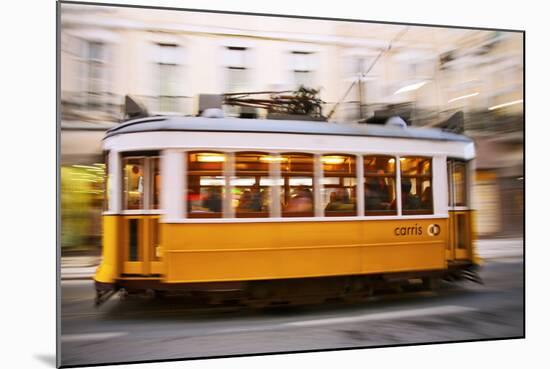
<point>340,201</point>
<point>377,195</point>
<point>426,198</point>
<point>300,201</point>
<point>244,201</point>
<point>409,201</point>
<point>213,200</point>
<point>251,200</point>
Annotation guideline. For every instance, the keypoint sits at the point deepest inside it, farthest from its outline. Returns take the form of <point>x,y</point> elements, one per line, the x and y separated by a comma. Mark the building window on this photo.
<point>205,184</point>
<point>380,196</point>
<point>168,67</point>
<point>95,78</point>
<point>339,185</point>
<point>251,186</point>
<point>297,187</point>
<point>416,185</point>
<point>236,73</point>
<point>302,69</point>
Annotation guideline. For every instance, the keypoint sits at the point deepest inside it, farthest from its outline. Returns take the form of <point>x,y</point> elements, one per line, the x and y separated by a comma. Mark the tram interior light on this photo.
<point>211,158</point>
<point>333,160</point>
<point>273,159</point>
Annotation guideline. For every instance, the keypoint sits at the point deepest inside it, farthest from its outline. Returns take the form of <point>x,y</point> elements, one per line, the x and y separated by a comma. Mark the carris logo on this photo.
<point>434,229</point>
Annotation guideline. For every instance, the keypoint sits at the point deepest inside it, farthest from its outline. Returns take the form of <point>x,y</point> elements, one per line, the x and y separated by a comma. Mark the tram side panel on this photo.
<point>203,252</point>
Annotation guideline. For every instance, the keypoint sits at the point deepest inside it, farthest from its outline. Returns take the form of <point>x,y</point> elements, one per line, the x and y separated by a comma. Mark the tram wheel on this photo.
<point>431,283</point>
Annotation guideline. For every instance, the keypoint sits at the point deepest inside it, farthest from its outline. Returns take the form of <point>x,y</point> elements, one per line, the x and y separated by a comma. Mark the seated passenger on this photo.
<point>375,196</point>
<point>255,199</point>
<point>426,198</point>
<point>213,200</point>
<point>244,201</point>
<point>301,201</point>
<point>408,200</point>
<point>250,200</point>
<point>340,201</point>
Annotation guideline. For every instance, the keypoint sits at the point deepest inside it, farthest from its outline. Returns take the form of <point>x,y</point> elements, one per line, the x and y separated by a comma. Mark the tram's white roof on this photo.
<point>175,123</point>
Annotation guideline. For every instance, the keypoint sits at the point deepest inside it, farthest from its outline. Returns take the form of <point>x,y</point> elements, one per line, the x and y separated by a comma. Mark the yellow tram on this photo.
<point>262,209</point>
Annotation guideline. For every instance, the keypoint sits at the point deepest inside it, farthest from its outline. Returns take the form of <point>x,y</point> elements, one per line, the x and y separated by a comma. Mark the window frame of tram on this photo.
<point>380,174</point>
<point>413,184</point>
<point>339,185</point>
<point>298,198</point>
<point>150,181</point>
<point>205,169</point>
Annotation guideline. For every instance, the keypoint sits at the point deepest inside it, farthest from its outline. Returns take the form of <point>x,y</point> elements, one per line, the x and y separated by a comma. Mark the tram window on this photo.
<point>297,186</point>
<point>250,187</point>
<point>155,181</point>
<point>458,177</point>
<point>339,185</point>
<point>416,185</point>
<point>205,184</point>
<point>380,195</point>
<point>134,186</point>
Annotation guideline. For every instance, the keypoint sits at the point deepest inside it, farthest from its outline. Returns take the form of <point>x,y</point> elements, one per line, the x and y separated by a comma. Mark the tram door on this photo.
<point>141,245</point>
<point>459,242</point>
<point>140,226</point>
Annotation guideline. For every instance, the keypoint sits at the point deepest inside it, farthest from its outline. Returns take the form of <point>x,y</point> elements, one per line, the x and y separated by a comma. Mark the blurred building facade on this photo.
<point>167,58</point>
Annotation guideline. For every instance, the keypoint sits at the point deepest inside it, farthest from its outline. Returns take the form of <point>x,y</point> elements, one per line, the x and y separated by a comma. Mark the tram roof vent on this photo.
<point>396,121</point>
<point>134,109</point>
<point>212,113</point>
<point>454,124</point>
<point>208,102</point>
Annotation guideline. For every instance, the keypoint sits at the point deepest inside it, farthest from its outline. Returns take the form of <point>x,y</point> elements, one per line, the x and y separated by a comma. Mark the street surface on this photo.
<point>143,329</point>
